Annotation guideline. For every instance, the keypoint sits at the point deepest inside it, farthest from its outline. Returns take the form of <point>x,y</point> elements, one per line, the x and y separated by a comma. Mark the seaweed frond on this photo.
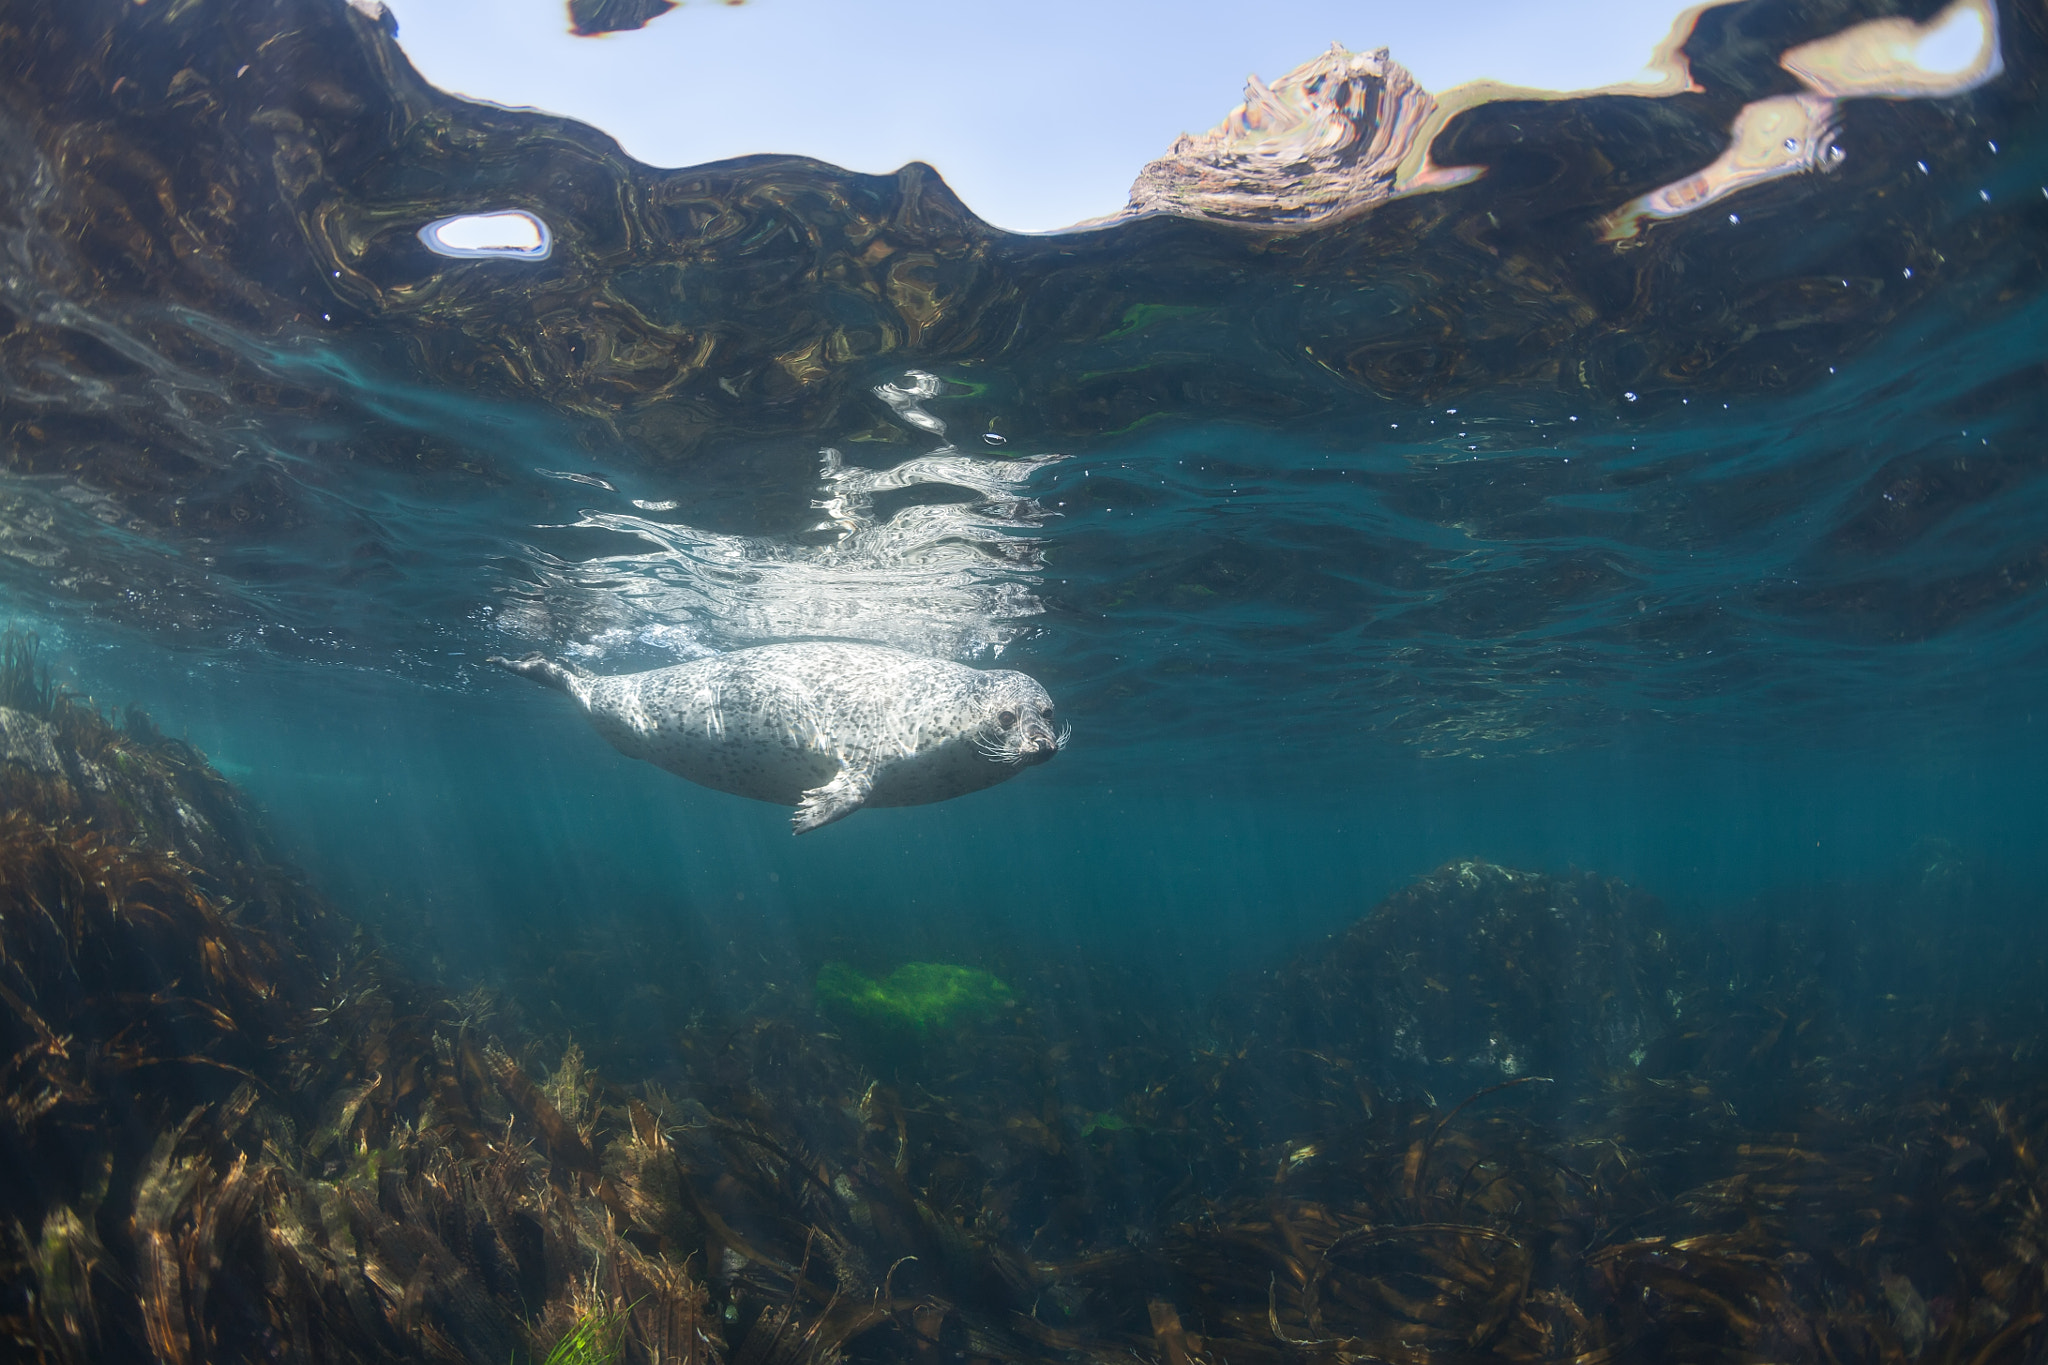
<point>24,678</point>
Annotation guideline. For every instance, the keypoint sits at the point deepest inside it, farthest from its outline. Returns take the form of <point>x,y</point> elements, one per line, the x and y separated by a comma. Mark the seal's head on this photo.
<point>1017,720</point>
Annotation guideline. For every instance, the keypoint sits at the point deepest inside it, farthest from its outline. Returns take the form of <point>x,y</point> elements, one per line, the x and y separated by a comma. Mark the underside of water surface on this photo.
<point>1549,863</point>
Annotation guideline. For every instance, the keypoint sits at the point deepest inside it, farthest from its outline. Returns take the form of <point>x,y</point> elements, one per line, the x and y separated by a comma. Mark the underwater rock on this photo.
<point>63,763</point>
<point>1474,976</point>
<point>29,742</point>
<point>1325,139</point>
<point>156,804</point>
<point>1514,973</point>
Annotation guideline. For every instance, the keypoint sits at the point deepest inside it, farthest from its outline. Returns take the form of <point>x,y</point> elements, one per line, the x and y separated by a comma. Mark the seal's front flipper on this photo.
<point>544,670</point>
<point>836,800</point>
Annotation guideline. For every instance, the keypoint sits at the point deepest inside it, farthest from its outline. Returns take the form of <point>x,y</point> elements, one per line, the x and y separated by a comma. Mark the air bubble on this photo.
<point>995,439</point>
<point>1734,217</point>
<point>1630,397</point>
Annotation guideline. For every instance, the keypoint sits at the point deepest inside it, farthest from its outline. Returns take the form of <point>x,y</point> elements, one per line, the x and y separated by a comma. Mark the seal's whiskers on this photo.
<point>999,751</point>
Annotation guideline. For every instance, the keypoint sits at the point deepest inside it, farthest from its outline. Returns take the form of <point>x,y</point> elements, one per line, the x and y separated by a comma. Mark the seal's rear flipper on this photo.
<point>836,800</point>
<point>544,670</point>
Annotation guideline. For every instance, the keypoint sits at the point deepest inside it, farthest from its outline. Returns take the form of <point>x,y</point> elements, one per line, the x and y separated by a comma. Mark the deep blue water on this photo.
<point>1717,651</point>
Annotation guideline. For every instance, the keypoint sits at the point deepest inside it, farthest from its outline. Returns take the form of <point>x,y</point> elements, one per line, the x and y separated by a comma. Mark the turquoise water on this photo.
<point>1716,650</point>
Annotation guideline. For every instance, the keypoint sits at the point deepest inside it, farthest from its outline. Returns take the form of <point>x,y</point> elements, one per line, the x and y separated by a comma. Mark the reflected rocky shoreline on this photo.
<point>199,198</point>
<point>1507,1115</point>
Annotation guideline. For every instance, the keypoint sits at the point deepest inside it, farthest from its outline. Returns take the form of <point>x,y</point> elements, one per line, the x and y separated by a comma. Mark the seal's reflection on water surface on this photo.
<point>948,579</point>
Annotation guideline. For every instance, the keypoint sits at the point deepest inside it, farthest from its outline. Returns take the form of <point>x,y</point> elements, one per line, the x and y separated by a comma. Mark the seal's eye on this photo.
<point>1045,711</point>
<point>1006,719</point>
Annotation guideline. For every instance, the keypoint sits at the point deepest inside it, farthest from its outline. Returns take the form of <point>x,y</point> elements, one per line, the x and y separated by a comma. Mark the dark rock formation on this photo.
<point>63,765</point>
<point>1473,978</point>
<point>588,18</point>
<point>1480,974</point>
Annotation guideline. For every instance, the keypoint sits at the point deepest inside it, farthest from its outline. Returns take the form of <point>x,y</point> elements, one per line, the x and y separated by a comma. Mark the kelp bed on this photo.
<point>1507,1116</point>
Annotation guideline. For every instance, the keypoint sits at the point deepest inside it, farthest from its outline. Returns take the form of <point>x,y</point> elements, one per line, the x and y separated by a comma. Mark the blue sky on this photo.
<point>1037,115</point>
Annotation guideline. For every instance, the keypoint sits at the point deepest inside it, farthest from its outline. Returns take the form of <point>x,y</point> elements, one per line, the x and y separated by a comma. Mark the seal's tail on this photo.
<point>562,677</point>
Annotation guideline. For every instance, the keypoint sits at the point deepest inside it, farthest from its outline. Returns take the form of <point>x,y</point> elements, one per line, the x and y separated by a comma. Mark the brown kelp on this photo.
<point>1725,1155</point>
<point>229,1129</point>
<point>1506,1116</point>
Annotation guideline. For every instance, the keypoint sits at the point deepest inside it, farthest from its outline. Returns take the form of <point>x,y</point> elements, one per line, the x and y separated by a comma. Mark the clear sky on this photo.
<point>1038,115</point>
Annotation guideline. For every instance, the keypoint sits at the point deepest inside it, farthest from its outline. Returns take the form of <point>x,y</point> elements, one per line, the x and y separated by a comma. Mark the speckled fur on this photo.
<point>826,728</point>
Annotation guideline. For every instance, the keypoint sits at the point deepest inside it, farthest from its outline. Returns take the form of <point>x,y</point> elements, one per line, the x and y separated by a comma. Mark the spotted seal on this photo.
<point>827,728</point>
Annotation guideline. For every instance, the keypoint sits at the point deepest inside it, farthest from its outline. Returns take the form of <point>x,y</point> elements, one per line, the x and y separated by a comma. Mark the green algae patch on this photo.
<point>917,997</point>
<point>596,1337</point>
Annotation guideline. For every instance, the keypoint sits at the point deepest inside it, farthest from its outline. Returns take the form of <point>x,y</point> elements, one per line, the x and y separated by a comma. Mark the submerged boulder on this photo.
<point>1501,973</point>
<point>1473,976</point>
<point>152,791</point>
<point>64,763</point>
